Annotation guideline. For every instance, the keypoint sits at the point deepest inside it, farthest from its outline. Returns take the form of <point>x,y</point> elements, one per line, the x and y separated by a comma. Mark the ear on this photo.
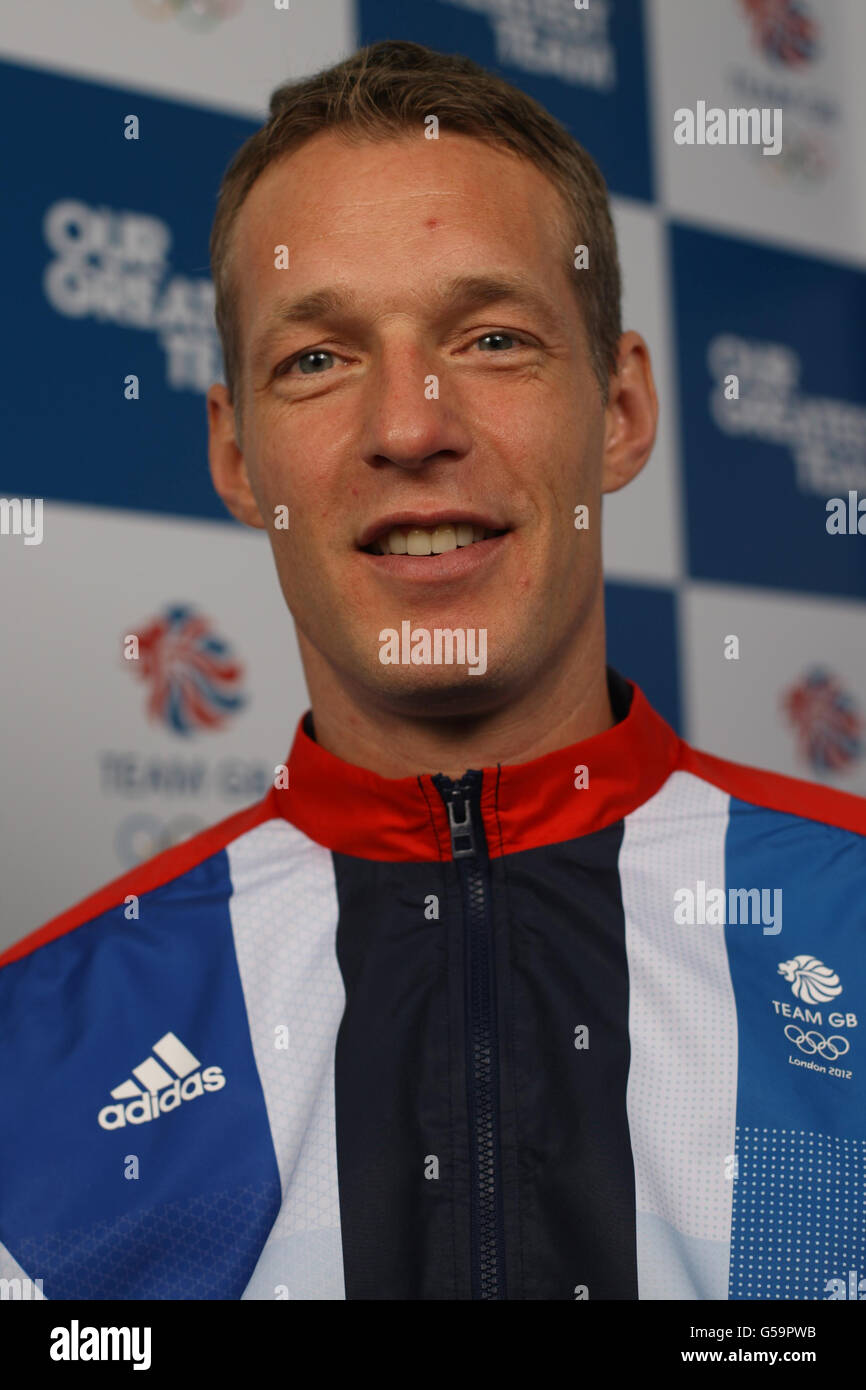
<point>631,415</point>
<point>228,469</point>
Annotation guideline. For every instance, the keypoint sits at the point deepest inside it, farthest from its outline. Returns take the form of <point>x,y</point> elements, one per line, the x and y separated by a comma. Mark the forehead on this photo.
<point>387,217</point>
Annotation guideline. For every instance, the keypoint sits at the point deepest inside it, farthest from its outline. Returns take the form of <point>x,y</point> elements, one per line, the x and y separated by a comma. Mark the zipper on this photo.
<point>469,849</point>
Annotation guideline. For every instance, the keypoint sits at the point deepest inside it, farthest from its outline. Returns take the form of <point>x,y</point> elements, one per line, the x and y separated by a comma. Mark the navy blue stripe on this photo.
<point>402,1150</point>
<point>564,1118</point>
<point>565,1161</point>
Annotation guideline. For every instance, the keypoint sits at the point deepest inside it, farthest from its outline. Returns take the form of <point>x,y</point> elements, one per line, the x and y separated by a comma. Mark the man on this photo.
<point>503,991</point>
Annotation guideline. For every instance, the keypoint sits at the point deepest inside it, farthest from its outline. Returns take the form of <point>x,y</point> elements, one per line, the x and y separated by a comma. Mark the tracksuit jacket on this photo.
<point>587,1027</point>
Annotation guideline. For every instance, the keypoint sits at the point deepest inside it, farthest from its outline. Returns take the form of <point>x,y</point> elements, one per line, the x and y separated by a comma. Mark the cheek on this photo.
<point>287,477</point>
<point>547,429</point>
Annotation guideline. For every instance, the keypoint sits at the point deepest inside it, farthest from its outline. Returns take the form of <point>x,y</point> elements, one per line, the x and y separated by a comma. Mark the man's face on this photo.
<point>425,396</point>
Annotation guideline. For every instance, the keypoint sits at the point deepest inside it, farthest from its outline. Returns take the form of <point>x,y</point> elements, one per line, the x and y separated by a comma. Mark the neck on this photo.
<point>564,706</point>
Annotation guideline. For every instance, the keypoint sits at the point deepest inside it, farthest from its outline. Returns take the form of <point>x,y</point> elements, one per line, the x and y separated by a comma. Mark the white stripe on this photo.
<point>171,1050</point>
<point>127,1090</point>
<point>151,1075</point>
<point>682,1086</point>
<point>11,1269</point>
<point>284,916</point>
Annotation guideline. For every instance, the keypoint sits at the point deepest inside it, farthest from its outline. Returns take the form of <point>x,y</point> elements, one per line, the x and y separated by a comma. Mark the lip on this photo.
<point>451,564</point>
<point>426,521</point>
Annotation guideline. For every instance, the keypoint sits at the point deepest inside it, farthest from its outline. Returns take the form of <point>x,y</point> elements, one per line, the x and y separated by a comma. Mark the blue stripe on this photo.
<point>78,1015</point>
<point>801,1128</point>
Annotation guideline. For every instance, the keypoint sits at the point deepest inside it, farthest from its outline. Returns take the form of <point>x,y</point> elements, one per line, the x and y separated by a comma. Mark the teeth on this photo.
<point>419,542</point>
<point>444,538</point>
<point>435,540</point>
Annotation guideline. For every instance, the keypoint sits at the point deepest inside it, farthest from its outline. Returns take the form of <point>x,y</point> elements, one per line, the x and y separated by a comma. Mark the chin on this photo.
<point>448,695</point>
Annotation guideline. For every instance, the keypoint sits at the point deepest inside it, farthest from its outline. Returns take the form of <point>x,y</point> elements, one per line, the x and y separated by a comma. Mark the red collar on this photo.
<point>524,805</point>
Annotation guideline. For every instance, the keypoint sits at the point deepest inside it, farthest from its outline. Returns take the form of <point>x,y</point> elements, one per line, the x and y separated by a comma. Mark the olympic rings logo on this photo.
<point>827,1047</point>
<point>141,836</point>
<point>196,14</point>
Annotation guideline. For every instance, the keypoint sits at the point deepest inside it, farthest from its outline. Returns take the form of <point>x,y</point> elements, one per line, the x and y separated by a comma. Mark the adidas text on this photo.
<point>151,1105</point>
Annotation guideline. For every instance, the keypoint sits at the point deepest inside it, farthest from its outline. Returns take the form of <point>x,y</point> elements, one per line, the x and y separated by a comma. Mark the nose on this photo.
<point>412,417</point>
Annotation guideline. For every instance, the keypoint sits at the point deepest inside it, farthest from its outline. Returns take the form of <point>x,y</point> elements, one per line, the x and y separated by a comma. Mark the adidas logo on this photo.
<point>160,1090</point>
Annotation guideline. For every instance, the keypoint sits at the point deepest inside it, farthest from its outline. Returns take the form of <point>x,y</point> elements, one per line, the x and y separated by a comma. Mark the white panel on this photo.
<point>69,700</point>
<point>284,916</point>
<point>855,57</point>
<point>642,537</point>
<point>233,62</point>
<point>682,1086</point>
<point>11,1269</point>
<point>811,196</point>
<point>735,708</point>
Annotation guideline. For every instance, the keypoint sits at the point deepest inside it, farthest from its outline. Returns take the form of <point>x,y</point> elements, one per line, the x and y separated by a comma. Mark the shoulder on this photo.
<point>191,866</point>
<point>791,797</point>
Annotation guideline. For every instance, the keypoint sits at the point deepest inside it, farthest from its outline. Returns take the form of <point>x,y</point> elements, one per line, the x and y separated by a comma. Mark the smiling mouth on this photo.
<point>422,542</point>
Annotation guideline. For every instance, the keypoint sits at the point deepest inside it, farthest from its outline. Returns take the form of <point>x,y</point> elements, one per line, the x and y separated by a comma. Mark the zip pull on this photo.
<point>461,830</point>
<point>457,796</point>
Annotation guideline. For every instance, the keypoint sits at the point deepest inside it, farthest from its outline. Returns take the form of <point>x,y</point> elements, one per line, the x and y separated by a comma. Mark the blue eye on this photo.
<point>313,358</point>
<point>317,361</point>
<point>317,353</point>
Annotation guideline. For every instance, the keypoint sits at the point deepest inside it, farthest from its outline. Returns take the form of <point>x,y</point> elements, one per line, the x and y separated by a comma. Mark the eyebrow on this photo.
<point>460,293</point>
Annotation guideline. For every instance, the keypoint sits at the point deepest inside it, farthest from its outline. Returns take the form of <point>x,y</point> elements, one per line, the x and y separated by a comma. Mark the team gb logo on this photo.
<point>810,979</point>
